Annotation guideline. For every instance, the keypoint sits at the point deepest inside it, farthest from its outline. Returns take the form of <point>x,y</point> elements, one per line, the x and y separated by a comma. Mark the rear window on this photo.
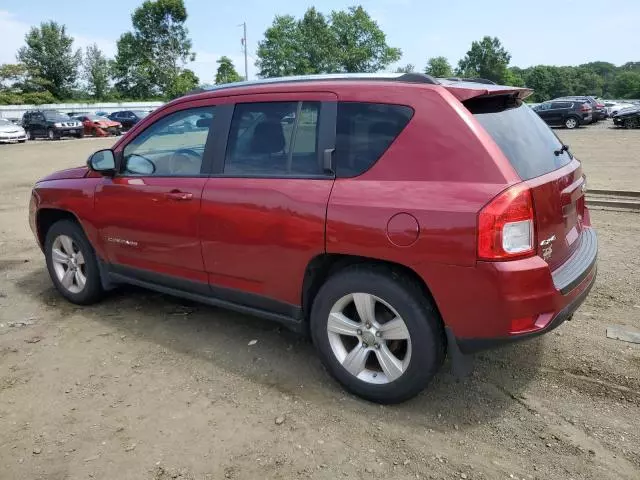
<point>364,131</point>
<point>523,137</point>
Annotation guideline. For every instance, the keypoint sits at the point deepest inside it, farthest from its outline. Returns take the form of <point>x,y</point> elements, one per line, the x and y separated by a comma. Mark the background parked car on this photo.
<point>566,113</point>
<point>10,132</point>
<point>128,118</point>
<point>614,107</point>
<point>51,124</point>
<point>99,126</point>
<point>599,110</point>
<point>628,117</point>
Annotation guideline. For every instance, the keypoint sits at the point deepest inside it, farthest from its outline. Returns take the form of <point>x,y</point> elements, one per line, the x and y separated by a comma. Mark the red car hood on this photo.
<point>107,124</point>
<point>78,172</point>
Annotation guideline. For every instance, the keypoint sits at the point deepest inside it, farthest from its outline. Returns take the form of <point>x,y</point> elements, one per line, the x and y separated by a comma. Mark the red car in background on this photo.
<point>98,126</point>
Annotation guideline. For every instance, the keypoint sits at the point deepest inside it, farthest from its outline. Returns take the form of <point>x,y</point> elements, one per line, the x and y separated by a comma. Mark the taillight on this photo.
<point>599,105</point>
<point>506,227</point>
<point>585,107</point>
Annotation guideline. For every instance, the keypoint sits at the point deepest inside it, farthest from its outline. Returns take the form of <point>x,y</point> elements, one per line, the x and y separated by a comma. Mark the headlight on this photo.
<point>57,125</point>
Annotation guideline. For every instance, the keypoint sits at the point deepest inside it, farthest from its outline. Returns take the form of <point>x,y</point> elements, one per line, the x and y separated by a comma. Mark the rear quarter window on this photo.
<point>527,142</point>
<point>364,131</point>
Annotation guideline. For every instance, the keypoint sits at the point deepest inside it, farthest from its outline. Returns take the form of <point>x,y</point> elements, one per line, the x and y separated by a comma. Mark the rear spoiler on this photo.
<point>464,91</point>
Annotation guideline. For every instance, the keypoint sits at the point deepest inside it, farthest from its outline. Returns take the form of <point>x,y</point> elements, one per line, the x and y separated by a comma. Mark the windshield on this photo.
<point>5,122</point>
<point>140,113</point>
<point>56,117</point>
<point>97,118</point>
<point>525,139</point>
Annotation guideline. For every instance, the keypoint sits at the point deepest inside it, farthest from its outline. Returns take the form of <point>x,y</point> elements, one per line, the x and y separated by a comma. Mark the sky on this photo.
<point>551,32</point>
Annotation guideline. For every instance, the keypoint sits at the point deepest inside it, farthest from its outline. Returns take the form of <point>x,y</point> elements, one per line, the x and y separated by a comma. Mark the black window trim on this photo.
<point>207,154</point>
<point>326,139</point>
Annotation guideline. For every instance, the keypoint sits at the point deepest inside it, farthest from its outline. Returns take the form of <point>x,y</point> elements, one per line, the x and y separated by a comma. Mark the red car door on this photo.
<point>264,209</point>
<point>149,211</point>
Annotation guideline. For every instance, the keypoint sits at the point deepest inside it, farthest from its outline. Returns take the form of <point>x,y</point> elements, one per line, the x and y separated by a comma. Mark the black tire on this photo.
<point>21,141</point>
<point>92,291</point>
<point>572,122</point>
<point>29,134</point>
<point>52,134</point>
<point>631,123</point>
<point>421,320</point>
<point>80,135</point>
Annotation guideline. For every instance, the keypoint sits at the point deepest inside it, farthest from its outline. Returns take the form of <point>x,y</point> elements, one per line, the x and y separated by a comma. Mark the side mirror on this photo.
<point>138,165</point>
<point>103,162</point>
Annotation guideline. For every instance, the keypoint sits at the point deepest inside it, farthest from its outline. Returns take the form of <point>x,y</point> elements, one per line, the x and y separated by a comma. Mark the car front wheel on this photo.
<point>377,334</point>
<point>52,134</point>
<point>72,263</point>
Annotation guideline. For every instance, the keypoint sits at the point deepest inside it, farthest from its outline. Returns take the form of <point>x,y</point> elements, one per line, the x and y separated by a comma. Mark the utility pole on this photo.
<point>244,46</point>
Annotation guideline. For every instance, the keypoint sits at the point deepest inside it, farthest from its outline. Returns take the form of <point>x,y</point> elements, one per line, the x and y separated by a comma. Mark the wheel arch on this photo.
<point>323,266</point>
<point>46,217</point>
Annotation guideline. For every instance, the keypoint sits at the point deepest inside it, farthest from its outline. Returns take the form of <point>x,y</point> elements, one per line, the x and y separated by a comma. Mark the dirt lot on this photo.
<point>145,386</point>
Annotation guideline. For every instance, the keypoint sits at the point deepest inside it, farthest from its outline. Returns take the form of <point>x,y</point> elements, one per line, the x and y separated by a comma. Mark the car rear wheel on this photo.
<point>28,134</point>
<point>631,123</point>
<point>72,263</point>
<point>377,334</point>
<point>571,123</point>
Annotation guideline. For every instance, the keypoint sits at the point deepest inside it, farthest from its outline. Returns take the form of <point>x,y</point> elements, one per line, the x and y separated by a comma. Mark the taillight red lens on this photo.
<point>506,227</point>
<point>585,107</point>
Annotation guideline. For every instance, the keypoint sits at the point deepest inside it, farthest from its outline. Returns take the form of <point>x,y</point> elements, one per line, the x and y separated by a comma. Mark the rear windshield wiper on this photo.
<point>564,148</point>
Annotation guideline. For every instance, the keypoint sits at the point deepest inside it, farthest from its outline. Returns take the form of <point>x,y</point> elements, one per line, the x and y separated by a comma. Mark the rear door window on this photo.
<point>274,139</point>
<point>364,131</point>
<point>523,137</point>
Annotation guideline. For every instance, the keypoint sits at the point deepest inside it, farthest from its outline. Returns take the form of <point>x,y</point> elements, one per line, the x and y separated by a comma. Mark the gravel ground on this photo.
<point>145,386</point>
<point>610,155</point>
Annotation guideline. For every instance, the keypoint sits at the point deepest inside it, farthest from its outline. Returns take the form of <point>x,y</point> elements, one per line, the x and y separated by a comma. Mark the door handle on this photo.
<point>177,195</point>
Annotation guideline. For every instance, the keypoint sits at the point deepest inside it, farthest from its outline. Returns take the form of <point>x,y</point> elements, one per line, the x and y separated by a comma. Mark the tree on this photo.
<point>486,59</point>
<point>362,46</point>
<point>627,85</point>
<point>348,41</point>
<point>49,55</point>
<point>12,75</point>
<point>438,67</point>
<point>151,59</point>
<point>319,52</point>
<point>182,84</point>
<point>408,68</point>
<point>226,71</point>
<point>96,71</point>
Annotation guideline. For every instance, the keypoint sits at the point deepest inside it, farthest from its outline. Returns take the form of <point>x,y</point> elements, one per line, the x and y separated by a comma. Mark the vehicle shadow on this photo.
<point>287,361</point>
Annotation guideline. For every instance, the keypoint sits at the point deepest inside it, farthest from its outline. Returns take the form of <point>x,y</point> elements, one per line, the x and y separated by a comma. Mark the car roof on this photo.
<point>463,89</point>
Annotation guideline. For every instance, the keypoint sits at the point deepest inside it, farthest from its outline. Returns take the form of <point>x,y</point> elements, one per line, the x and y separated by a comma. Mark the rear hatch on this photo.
<point>547,167</point>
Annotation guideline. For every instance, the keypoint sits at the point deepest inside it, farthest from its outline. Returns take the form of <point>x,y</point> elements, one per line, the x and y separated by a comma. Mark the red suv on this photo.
<point>395,218</point>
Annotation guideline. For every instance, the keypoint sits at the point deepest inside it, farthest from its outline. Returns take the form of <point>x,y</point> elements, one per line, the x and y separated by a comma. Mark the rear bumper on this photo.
<point>472,345</point>
<point>493,299</point>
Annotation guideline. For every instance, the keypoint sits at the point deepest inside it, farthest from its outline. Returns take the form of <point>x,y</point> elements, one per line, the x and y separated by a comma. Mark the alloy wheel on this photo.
<point>571,123</point>
<point>369,338</point>
<point>51,135</point>
<point>68,264</point>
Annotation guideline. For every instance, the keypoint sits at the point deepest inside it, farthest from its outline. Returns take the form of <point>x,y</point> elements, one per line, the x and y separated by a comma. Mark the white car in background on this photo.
<point>615,107</point>
<point>10,132</point>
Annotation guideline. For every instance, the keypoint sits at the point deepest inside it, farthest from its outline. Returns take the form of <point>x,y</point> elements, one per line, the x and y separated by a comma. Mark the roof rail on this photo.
<point>471,80</point>
<point>398,77</point>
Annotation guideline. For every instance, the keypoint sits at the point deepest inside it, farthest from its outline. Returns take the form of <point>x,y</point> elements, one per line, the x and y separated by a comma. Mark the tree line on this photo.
<point>151,60</point>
